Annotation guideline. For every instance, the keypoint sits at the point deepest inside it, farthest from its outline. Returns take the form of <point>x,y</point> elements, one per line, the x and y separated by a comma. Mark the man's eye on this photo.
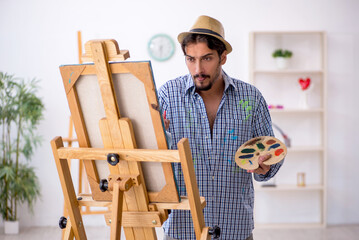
<point>189,59</point>
<point>207,59</point>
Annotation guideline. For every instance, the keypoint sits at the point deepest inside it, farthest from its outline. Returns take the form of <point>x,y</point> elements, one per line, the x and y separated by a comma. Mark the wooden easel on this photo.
<point>124,192</point>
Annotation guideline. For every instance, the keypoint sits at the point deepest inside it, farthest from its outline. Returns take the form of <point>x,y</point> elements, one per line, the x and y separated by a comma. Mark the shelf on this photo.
<point>287,32</point>
<point>289,225</point>
<point>288,71</point>
<point>281,187</point>
<point>293,110</point>
<point>305,149</point>
<point>307,127</point>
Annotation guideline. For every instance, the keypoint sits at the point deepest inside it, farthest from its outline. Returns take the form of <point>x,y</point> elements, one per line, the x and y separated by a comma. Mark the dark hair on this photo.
<point>212,42</point>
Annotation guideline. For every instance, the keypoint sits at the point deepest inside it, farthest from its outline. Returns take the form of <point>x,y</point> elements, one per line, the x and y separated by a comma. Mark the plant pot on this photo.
<point>282,63</point>
<point>11,227</point>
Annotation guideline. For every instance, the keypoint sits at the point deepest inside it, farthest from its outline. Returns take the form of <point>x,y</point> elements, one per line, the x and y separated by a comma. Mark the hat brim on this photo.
<point>181,36</point>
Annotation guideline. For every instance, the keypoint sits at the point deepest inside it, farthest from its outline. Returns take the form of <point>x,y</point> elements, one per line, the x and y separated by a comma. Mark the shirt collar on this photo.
<point>190,87</point>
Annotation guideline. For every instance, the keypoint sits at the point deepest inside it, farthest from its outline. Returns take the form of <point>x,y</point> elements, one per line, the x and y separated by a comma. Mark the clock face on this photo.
<point>161,47</point>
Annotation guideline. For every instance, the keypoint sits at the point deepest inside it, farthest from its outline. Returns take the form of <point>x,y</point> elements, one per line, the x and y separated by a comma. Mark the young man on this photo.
<point>217,114</point>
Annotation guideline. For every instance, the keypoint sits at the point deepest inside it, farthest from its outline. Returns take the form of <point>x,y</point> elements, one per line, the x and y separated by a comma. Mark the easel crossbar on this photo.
<point>87,201</point>
<point>130,155</point>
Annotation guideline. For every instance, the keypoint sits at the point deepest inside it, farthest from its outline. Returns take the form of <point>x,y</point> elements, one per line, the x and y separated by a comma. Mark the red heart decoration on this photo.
<point>304,83</point>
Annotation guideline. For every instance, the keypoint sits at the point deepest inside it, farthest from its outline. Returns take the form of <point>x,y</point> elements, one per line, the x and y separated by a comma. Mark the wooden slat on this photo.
<point>191,186</point>
<point>183,205</point>
<point>107,142</point>
<point>87,200</point>
<point>130,155</point>
<point>116,216</point>
<point>114,52</point>
<point>68,191</point>
<point>68,232</point>
<point>138,219</point>
<point>205,235</point>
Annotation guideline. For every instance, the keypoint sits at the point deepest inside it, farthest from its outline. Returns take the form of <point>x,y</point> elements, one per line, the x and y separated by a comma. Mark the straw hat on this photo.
<point>207,26</point>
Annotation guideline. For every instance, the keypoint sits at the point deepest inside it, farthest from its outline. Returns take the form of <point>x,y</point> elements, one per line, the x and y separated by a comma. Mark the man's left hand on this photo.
<point>262,169</point>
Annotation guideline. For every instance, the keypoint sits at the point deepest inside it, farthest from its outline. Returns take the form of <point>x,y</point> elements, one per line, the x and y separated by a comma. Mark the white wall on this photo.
<point>37,36</point>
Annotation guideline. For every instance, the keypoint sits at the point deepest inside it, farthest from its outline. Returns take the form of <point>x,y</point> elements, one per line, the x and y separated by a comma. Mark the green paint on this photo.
<point>248,117</point>
<point>260,146</point>
<point>245,105</point>
<point>249,108</point>
<point>240,103</point>
<point>248,150</point>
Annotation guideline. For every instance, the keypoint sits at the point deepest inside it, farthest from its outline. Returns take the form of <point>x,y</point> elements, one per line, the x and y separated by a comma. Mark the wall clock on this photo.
<point>161,47</point>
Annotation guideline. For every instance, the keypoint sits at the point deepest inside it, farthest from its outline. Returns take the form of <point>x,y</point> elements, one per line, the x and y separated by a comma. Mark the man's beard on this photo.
<point>210,84</point>
<point>202,88</point>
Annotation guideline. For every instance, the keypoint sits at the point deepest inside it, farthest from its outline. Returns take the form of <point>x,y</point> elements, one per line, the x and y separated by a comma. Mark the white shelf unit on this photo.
<point>286,204</point>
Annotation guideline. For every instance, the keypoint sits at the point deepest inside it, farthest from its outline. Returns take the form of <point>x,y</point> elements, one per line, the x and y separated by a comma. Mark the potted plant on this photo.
<point>282,56</point>
<point>20,113</point>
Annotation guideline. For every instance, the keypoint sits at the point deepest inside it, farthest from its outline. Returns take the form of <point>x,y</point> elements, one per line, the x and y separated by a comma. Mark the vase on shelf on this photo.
<point>303,100</point>
<point>306,86</point>
<point>282,62</point>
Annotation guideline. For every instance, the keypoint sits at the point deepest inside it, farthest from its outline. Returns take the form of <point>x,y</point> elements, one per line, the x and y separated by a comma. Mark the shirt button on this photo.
<point>213,177</point>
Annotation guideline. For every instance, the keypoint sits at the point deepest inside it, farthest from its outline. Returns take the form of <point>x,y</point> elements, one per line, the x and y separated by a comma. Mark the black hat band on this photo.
<point>203,30</point>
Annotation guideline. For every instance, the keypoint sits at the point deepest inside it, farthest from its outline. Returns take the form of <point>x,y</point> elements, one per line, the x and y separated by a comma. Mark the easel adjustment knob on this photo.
<point>62,222</point>
<point>215,232</point>
<point>113,159</point>
<point>103,185</point>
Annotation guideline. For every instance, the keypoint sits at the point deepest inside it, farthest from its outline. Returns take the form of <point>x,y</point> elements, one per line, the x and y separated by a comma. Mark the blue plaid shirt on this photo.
<point>228,189</point>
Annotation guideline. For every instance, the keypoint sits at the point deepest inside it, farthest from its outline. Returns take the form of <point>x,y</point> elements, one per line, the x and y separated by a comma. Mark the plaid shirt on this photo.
<point>228,189</point>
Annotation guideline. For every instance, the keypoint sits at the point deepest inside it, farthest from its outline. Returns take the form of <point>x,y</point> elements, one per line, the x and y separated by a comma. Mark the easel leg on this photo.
<point>68,233</point>
<point>192,188</point>
<point>68,191</point>
<point>205,235</point>
<point>117,201</point>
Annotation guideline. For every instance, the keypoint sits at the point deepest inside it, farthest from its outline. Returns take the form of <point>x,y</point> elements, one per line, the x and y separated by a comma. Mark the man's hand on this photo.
<point>167,123</point>
<point>262,169</point>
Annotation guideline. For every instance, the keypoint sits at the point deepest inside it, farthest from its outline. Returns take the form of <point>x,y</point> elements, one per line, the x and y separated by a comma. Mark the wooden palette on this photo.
<point>247,155</point>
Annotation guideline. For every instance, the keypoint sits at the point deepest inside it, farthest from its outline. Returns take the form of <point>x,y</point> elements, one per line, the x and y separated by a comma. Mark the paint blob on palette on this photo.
<point>247,155</point>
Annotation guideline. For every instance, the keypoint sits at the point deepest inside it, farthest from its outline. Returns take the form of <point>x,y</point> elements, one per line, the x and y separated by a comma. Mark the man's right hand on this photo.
<point>167,123</point>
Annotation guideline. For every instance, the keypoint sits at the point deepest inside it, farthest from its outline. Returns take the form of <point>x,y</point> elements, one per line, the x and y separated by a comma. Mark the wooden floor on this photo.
<point>345,232</point>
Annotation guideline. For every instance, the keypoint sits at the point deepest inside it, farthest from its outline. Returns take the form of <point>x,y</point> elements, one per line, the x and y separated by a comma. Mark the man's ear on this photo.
<point>224,57</point>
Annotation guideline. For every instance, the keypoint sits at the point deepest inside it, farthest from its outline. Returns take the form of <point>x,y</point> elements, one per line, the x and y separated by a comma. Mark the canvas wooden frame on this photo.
<point>142,71</point>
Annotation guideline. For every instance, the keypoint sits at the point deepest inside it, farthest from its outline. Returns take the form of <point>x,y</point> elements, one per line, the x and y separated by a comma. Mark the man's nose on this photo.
<point>199,67</point>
